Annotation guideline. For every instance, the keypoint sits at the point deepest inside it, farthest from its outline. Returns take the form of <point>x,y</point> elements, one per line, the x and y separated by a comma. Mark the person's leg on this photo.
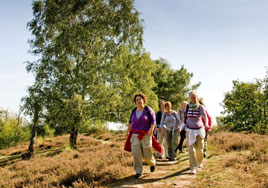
<point>160,139</point>
<point>174,143</point>
<point>192,156</point>
<point>205,144</point>
<point>199,149</point>
<point>165,147</point>
<point>169,143</point>
<point>147,150</point>
<point>182,138</point>
<point>137,153</point>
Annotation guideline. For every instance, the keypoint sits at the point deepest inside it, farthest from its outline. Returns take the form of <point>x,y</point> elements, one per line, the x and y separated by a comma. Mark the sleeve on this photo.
<point>202,110</point>
<point>152,114</point>
<point>158,118</point>
<point>178,120</point>
<point>162,119</point>
<point>130,116</point>
<point>181,126</point>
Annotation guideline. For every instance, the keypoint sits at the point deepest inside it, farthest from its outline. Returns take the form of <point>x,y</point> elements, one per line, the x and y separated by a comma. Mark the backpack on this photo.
<point>185,114</point>
<point>146,111</point>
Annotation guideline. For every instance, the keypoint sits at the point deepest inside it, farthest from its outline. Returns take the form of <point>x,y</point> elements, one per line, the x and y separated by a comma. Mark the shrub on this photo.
<point>12,133</point>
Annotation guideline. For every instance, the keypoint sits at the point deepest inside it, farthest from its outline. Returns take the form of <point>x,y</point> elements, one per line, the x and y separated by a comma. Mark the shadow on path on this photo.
<point>130,180</point>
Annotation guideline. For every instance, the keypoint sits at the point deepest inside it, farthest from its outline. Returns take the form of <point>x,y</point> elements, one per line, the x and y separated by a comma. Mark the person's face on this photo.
<point>183,105</point>
<point>168,107</point>
<point>162,106</point>
<point>139,101</point>
<point>193,99</point>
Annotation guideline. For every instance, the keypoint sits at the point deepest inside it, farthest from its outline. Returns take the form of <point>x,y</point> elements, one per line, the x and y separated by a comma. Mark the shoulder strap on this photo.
<point>175,115</point>
<point>186,111</point>
<point>132,114</point>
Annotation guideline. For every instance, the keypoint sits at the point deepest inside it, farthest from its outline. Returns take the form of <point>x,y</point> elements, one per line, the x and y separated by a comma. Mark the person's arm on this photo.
<point>206,120</point>
<point>204,115</point>
<point>158,119</point>
<point>181,126</point>
<point>161,125</point>
<point>178,120</point>
<point>128,129</point>
<point>151,130</point>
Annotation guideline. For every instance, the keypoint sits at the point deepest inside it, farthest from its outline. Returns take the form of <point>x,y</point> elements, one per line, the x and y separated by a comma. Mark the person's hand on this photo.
<point>150,132</point>
<point>207,126</point>
<point>163,131</point>
<point>179,131</point>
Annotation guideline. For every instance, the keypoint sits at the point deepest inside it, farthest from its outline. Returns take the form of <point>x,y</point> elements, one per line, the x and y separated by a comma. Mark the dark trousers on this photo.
<point>183,136</point>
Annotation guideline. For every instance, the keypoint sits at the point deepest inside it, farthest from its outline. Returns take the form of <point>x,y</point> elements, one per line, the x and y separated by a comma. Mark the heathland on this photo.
<point>234,160</point>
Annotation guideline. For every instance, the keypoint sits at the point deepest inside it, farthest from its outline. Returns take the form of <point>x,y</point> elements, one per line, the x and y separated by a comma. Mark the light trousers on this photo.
<point>172,142</point>
<point>142,149</point>
<point>195,151</point>
<point>163,143</point>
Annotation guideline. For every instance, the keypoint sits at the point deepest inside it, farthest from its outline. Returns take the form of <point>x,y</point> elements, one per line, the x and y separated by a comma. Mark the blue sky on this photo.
<point>218,40</point>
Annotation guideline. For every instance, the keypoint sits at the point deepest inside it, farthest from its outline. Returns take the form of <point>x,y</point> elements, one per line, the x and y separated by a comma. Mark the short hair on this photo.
<point>167,104</point>
<point>141,95</point>
<point>193,92</point>
<point>161,102</point>
<point>184,102</point>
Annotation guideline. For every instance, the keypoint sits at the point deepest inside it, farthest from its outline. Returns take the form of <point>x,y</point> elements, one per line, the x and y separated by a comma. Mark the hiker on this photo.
<point>207,129</point>
<point>181,113</point>
<point>170,122</point>
<point>161,131</point>
<point>195,131</point>
<point>140,133</point>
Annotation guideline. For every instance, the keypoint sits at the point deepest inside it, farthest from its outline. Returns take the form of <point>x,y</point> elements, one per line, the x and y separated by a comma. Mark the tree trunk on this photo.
<point>73,138</point>
<point>30,151</point>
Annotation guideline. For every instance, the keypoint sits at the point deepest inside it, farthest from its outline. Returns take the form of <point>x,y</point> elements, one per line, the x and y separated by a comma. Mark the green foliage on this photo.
<point>245,107</point>
<point>47,131</point>
<point>12,133</point>
<point>96,127</point>
<point>82,45</point>
<point>172,85</point>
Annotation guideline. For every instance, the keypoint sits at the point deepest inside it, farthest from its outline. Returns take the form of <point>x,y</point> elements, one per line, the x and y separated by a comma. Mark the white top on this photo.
<point>193,133</point>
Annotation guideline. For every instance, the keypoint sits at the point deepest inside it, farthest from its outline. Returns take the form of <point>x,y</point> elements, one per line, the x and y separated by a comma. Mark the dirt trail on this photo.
<point>167,174</point>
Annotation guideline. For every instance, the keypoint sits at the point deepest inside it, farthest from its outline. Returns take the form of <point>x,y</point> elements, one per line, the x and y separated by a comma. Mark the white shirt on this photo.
<point>193,133</point>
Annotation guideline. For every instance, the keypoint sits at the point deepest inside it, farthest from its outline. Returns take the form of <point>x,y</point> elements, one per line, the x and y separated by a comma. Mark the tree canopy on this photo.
<point>91,62</point>
<point>246,106</point>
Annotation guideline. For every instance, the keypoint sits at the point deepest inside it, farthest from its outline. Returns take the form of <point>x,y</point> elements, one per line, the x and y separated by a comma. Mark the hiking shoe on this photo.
<point>152,168</point>
<point>193,172</point>
<point>171,159</point>
<point>137,176</point>
<point>200,165</point>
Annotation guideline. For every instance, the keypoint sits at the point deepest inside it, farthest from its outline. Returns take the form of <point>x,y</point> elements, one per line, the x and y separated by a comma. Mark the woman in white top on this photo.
<point>195,131</point>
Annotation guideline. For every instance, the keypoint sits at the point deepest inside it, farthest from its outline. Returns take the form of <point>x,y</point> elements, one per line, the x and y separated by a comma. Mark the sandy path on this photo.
<point>167,174</point>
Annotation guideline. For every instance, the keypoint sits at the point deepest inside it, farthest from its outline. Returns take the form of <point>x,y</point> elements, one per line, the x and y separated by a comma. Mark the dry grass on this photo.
<point>55,165</point>
<point>236,160</point>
